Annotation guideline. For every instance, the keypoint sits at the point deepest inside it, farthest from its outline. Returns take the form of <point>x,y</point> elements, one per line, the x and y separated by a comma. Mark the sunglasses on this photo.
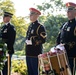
<point>33,13</point>
<point>70,9</point>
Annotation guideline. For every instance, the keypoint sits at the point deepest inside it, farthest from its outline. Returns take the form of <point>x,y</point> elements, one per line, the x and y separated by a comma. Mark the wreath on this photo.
<point>3,49</point>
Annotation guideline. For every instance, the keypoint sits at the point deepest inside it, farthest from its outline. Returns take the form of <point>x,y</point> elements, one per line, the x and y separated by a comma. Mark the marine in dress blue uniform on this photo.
<point>8,36</point>
<point>67,35</point>
<point>36,36</point>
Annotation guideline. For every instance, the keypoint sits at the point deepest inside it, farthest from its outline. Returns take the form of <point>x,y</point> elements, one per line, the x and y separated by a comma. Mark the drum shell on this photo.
<point>54,62</point>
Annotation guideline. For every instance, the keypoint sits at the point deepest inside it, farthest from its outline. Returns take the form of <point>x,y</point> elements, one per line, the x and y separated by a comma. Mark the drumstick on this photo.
<point>66,60</point>
<point>61,73</point>
<point>53,73</point>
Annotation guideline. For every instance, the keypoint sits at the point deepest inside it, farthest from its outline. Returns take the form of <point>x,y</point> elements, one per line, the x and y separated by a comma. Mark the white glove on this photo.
<point>60,46</point>
<point>53,49</point>
<point>28,42</point>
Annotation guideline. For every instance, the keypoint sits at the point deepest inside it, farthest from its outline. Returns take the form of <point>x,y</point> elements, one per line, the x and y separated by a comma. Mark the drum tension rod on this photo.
<point>62,69</point>
<point>66,66</point>
<point>43,72</point>
<point>50,72</point>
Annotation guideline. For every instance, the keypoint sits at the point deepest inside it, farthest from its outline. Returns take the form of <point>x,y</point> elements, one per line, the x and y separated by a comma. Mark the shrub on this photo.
<point>19,66</point>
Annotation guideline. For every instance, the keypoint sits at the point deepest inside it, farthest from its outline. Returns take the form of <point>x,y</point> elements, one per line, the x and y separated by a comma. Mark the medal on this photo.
<point>68,29</point>
<point>32,31</point>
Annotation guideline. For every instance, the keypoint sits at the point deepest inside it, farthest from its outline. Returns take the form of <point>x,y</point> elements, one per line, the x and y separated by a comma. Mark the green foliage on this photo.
<point>51,6</point>
<point>21,28</point>
<point>52,25</point>
<point>20,25</point>
<point>20,53</point>
<point>7,5</point>
<point>42,19</point>
<point>19,66</point>
<point>3,49</point>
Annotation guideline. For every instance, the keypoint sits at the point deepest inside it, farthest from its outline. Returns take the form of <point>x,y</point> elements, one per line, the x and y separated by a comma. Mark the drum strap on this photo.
<point>67,62</point>
<point>43,71</point>
<point>61,68</point>
<point>52,71</point>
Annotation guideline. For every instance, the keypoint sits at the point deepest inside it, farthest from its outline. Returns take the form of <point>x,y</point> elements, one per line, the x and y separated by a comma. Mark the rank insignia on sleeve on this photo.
<point>43,35</point>
<point>75,31</point>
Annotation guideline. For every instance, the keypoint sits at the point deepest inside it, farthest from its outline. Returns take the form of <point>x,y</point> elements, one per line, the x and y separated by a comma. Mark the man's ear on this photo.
<point>37,15</point>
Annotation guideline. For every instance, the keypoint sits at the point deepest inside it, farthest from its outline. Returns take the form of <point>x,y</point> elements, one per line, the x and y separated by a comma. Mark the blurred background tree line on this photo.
<point>51,21</point>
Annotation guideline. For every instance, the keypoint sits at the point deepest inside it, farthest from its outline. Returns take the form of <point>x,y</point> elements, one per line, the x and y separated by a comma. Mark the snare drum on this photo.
<point>54,63</point>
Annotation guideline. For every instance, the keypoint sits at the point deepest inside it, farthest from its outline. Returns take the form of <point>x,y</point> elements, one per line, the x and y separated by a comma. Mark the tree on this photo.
<point>21,28</point>
<point>51,6</point>
<point>7,5</point>
<point>52,25</point>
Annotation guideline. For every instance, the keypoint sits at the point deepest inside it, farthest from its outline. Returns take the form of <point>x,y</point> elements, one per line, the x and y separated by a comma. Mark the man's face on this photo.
<point>33,16</point>
<point>71,14</point>
<point>6,19</point>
